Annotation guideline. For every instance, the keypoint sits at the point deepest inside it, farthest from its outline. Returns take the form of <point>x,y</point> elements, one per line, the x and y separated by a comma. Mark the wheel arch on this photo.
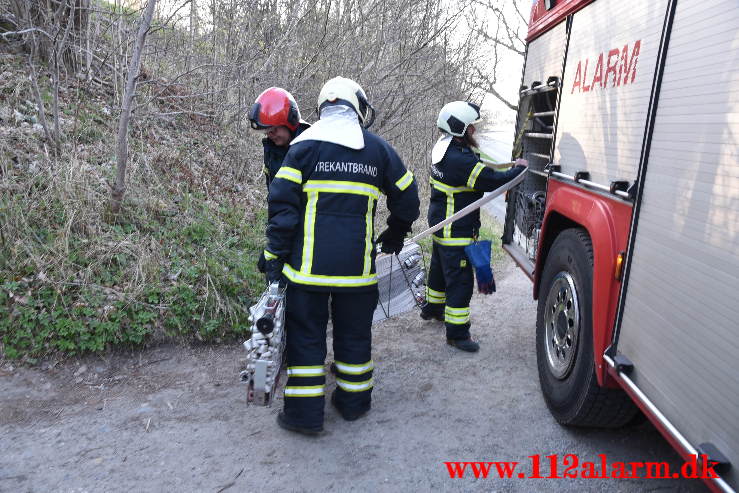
<point>606,222</point>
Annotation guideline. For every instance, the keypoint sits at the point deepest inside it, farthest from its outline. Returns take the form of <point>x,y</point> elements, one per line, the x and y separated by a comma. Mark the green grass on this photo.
<point>493,230</point>
<point>179,262</point>
<point>196,279</point>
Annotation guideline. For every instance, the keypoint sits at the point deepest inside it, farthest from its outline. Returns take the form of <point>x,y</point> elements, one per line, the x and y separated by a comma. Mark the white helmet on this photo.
<point>346,91</point>
<point>454,117</point>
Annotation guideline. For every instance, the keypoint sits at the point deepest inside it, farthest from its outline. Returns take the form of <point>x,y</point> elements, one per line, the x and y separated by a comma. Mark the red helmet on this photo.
<point>274,107</point>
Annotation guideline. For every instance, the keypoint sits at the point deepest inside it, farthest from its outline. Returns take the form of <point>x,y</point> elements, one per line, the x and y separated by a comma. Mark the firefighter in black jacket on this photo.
<point>320,237</point>
<point>458,178</point>
<point>275,113</point>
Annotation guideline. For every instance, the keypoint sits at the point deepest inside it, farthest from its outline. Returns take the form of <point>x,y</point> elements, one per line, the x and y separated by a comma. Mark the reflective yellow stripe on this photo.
<point>309,226</point>
<point>433,292</point>
<point>449,191</point>
<point>405,181</point>
<point>443,187</point>
<point>321,280</point>
<point>269,255</point>
<point>474,174</point>
<point>266,170</point>
<point>304,391</point>
<point>457,316</point>
<point>312,189</point>
<point>447,231</point>
<point>291,174</point>
<point>452,241</point>
<point>435,296</point>
<point>369,230</point>
<point>332,186</point>
<point>354,369</point>
<point>457,311</point>
<point>354,386</point>
<point>306,371</point>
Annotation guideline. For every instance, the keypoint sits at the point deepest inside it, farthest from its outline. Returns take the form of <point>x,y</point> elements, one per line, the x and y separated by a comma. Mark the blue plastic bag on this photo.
<point>479,255</point>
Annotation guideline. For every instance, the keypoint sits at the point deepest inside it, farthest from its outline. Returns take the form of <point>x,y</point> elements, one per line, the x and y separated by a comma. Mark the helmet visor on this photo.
<point>371,114</point>
<point>366,110</point>
<point>476,107</point>
<point>256,123</point>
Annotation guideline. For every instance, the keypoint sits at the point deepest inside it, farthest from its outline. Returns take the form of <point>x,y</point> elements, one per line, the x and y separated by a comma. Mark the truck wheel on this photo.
<point>564,339</point>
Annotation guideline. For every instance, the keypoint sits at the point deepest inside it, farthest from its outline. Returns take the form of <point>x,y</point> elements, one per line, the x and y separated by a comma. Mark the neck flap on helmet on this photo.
<point>439,150</point>
<point>338,124</point>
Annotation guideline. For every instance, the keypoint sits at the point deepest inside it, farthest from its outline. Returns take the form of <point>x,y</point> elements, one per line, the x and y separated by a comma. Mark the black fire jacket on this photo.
<point>274,155</point>
<point>322,206</point>
<point>456,181</point>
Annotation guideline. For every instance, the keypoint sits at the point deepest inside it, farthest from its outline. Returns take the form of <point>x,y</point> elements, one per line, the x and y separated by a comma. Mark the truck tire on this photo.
<point>564,339</point>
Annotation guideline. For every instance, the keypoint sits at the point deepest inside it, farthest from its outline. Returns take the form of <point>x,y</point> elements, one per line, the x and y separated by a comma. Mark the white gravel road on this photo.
<point>174,419</point>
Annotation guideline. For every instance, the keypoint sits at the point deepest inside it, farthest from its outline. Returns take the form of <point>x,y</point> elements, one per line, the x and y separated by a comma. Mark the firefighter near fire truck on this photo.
<point>458,178</point>
<point>275,113</point>
<point>320,240</point>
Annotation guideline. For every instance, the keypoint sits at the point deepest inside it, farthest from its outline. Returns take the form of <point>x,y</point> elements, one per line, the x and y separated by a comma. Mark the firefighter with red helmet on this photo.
<point>276,113</point>
<point>320,239</point>
<point>458,178</point>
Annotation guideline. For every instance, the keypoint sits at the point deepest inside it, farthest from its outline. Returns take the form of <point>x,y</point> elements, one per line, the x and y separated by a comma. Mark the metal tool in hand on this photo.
<point>265,349</point>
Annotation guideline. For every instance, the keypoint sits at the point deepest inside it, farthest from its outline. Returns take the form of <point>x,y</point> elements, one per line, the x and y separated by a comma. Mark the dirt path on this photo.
<point>174,419</point>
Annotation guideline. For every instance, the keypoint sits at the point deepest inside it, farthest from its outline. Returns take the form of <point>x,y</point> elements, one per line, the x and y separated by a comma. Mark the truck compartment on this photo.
<point>534,138</point>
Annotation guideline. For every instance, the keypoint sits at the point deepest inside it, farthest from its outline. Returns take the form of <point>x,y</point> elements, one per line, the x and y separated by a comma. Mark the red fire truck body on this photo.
<point>628,221</point>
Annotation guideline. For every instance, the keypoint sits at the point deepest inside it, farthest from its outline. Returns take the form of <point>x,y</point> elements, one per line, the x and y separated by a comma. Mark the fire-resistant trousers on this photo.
<point>449,289</point>
<point>307,314</point>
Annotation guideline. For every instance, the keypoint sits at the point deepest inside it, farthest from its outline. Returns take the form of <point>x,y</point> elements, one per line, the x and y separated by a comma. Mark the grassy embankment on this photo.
<point>178,262</point>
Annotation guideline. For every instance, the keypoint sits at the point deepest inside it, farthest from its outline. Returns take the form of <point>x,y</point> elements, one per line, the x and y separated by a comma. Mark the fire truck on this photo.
<point>628,220</point>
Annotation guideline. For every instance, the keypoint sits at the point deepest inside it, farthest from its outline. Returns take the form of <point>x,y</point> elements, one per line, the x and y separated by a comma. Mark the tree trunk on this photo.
<point>122,143</point>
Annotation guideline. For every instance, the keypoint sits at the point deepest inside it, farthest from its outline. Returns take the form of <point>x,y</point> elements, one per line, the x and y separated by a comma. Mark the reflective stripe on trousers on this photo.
<point>307,314</point>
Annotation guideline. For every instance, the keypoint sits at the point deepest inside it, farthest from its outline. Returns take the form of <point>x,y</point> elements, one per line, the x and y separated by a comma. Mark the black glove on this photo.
<point>391,241</point>
<point>261,263</point>
<point>392,238</point>
<point>273,270</point>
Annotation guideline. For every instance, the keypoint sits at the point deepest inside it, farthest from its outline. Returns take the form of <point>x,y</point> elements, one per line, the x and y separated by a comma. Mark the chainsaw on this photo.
<point>265,349</point>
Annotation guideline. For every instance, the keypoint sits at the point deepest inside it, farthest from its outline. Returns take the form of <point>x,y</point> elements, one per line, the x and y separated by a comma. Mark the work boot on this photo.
<point>348,416</point>
<point>283,423</point>
<point>464,344</point>
<point>429,315</point>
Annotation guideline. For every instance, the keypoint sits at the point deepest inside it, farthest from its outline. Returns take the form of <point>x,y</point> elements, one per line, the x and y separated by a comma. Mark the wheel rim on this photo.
<point>562,321</point>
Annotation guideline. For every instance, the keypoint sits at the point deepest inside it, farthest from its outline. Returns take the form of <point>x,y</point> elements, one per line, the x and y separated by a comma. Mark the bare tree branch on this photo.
<point>39,102</point>
<point>133,70</point>
<point>8,34</point>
